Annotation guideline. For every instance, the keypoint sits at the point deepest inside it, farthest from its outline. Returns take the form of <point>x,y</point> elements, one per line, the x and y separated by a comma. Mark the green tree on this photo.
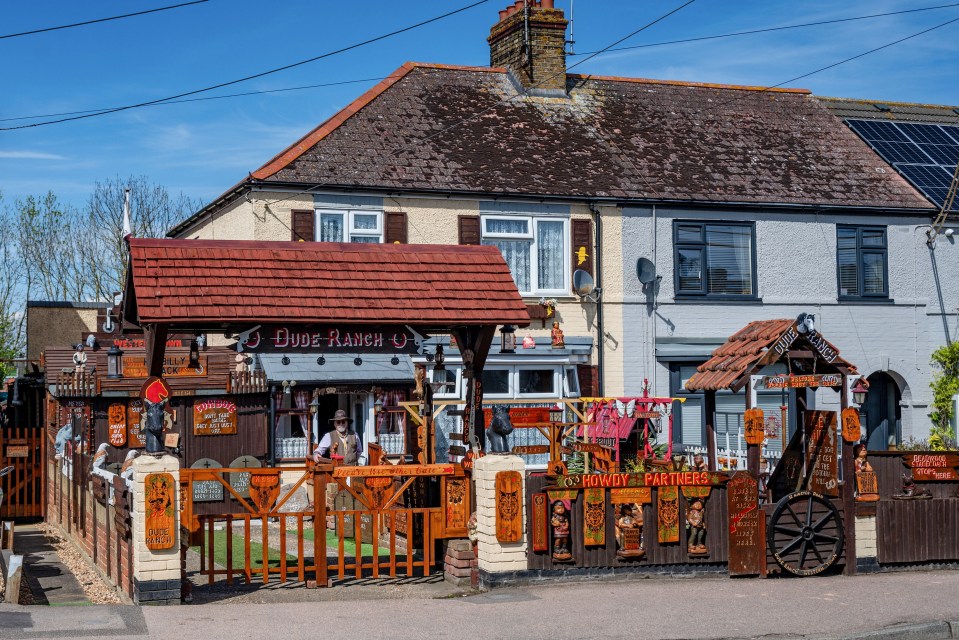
<point>945,387</point>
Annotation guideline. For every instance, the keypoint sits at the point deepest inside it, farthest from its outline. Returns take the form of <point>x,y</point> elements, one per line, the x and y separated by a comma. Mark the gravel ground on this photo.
<point>98,591</point>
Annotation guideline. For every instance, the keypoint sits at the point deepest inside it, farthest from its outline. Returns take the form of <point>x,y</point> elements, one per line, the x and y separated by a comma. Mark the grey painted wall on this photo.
<point>796,272</point>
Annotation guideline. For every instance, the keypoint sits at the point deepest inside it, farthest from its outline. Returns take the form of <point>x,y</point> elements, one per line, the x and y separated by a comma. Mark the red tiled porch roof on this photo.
<point>741,353</point>
<point>236,282</point>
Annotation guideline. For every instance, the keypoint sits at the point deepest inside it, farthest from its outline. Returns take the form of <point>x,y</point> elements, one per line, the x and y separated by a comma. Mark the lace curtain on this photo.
<point>550,255</point>
<point>331,227</point>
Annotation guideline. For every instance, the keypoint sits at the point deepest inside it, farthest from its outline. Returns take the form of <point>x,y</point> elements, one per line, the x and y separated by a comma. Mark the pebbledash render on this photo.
<point>750,203</point>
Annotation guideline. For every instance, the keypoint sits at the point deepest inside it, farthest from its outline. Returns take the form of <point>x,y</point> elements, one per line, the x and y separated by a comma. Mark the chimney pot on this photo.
<point>546,4</point>
<point>502,14</point>
<point>519,4</point>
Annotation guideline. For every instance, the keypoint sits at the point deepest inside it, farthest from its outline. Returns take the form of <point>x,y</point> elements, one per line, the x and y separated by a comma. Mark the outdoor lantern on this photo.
<point>440,359</point>
<point>194,354</point>
<point>115,362</point>
<point>314,405</point>
<point>378,405</point>
<point>507,336</point>
<point>859,391</point>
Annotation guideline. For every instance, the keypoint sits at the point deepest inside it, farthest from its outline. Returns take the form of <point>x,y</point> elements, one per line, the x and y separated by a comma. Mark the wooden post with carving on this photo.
<point>848,489</point>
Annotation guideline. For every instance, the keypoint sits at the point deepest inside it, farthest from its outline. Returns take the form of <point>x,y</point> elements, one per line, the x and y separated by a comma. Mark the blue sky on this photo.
<point>202,148</point>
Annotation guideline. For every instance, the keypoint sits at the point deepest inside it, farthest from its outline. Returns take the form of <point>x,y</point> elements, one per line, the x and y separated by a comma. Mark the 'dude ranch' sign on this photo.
<point>160,500</point>
<point>214,417</point>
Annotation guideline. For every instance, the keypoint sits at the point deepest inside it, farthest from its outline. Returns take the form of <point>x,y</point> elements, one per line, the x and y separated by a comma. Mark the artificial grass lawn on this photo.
<point>349,544</point>
<point>256,553</point>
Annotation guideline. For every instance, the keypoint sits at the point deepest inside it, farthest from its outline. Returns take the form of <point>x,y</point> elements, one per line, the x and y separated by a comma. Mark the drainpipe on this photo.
<point>598,252</point>
<point>654,284</point>
<point>271,428</point>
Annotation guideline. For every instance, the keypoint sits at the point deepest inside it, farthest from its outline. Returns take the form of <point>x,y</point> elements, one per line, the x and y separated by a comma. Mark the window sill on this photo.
<point>717,300</point>
<point>853,300</point>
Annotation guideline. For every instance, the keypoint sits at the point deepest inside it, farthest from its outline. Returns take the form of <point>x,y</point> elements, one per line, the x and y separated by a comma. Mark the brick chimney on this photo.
<point>530,41</point>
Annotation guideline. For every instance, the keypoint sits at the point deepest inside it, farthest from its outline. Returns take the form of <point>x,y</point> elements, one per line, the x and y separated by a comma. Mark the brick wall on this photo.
<point>91,526</point>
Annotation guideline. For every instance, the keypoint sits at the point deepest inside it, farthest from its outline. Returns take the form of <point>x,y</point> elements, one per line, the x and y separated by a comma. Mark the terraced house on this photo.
<point>689,210</point>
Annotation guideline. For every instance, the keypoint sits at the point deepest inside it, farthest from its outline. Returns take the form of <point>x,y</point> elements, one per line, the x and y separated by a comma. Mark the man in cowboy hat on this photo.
<point>341,443</point>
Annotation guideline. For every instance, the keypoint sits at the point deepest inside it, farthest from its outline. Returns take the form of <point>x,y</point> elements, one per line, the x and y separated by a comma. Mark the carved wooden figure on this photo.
<point>867,486</point>
<point>560,524</point>
<point>629,531</point>
<point>696,526</point>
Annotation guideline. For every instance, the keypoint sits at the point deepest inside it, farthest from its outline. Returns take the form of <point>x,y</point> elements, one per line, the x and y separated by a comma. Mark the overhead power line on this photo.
<point>377,79</point>
<point>98,20</point>
<point>253,76</point>
<point>771,29</point>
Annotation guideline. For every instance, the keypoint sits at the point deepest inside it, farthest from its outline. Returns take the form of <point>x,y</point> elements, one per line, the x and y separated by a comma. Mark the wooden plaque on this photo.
<point>264,490</point>
<point>594,517</point>
<point>136,438</point>
<point>822,463</point>
<point>214,417</point>
<point>632,495</point>
<point>932,467</point>
<point>457,501</point>
<point>755,427</point>
<point>540,526</point>
<point>160,497</point>
<point>667,513</point>
<point>747,548</point>
<point>117,424</point>
<point>851,427</point>
<point>530,449</point>
<point>509,506</point>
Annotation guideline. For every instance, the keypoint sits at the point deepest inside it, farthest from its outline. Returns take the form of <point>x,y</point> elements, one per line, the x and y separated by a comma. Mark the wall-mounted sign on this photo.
<point>747,546</point>
<point>117,424</point>
<point>214,417</point>
<point>136,437</point>
<point>332,339</point>
<point>802,382</point>
<point>520,416</point>
<point>160,497</point>
<point>174,366</point>
<point>622,480</point>
<point>928,467</point>
<point>18,451</point>
<point>822,466</point>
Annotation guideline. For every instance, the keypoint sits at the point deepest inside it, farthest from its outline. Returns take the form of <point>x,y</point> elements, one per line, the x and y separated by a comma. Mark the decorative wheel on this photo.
<point>805,533</point>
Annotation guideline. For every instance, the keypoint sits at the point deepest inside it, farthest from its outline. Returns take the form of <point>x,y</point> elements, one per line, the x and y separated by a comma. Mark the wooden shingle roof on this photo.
<point>233,282</point>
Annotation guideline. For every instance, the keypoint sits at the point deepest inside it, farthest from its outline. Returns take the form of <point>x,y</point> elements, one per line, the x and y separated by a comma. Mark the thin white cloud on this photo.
<point>30,155</point>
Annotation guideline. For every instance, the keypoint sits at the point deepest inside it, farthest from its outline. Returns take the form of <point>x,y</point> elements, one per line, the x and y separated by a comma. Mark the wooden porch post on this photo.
<point>752,450</point>
<point>478,339</point>
<point>709,409</point>
<point>154,339</point>
<point>848,486</point>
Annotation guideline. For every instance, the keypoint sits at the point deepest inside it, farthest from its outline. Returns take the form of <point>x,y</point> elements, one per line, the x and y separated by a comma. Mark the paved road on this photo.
<point>634,608</point>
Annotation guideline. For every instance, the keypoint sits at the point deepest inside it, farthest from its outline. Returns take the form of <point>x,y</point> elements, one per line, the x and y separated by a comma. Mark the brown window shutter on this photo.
<point>588,379</point>
<point>396,227</point>
<point>303,227</point>
<point>469,230</point>
<point>583,245</point>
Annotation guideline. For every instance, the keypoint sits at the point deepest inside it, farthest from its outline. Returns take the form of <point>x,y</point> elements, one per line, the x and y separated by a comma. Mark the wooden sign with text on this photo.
<point>932,467</point>
<point>509,506</point>
<point>136,438</point>
<point>822,462</point>
<point>331,339</point>
<point>803,381</point>
<point>633,495</point>
<point>174,366</point>
<point>540,525</point>
<point>530,449</point>
<point>520,416</point>
<point>747,548</point>
<point>622,480</point>
<point>117,424</point>
<point>214,417</point>
<point>160,498</point>
<point>395,470</point>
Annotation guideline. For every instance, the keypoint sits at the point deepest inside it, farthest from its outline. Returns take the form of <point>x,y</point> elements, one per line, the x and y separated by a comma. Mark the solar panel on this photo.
<point>925,154</point>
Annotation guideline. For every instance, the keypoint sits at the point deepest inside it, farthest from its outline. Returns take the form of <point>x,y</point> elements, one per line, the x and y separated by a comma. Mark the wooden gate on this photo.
<point>261,538</point>
<point>23,447</point>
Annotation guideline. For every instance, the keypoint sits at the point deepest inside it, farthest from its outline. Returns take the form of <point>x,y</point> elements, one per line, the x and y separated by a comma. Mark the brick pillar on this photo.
<point>156,573</point>
<point>866,549</point>
<point>494,556</point>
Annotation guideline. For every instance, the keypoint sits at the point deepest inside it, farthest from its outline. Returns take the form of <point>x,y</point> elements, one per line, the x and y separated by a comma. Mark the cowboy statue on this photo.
<point>342,443</point>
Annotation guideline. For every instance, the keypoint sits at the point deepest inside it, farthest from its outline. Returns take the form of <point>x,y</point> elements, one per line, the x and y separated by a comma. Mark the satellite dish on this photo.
<point>583,283</point>
<point>646,270</point>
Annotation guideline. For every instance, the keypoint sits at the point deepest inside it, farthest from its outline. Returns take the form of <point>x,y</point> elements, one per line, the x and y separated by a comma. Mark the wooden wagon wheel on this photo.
<point>805,533</point>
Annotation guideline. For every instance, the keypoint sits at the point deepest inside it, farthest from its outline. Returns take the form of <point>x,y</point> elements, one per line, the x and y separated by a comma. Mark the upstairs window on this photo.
<point>714,260</point>
<point>862,262</point>
<point>349,226</point>
<point>535,248</point>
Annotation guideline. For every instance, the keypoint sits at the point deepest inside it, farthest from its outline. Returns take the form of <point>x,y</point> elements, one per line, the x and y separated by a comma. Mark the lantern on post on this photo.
<point>507,337</point>
<point>439,358</point>
<point>115,362</point>
<point>194,362</point>
<point>859,391</point>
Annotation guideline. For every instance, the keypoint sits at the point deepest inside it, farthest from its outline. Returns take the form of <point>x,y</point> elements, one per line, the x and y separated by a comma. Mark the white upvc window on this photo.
<point>452,376</point>
<point>536,248</point>
<point>349,225</point>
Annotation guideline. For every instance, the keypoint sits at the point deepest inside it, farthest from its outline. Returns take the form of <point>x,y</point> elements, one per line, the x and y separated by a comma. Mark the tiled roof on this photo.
<point>848,108</point>
<point>217,281</point>
<point>743,351</point>
<point>431,127</point>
